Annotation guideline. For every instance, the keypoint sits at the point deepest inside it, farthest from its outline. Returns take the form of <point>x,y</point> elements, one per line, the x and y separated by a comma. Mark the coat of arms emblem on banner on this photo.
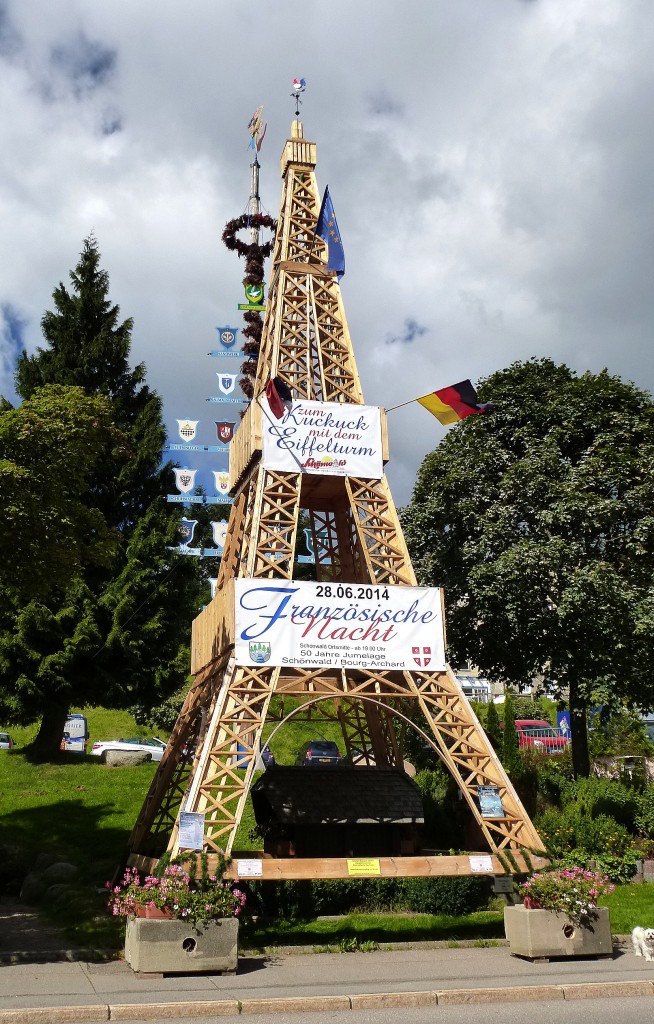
<point>224,430</point>
<point>260,653</point>
<point>227,335</point>
<point>421,656</point>
<point>226,382</point>
<point>187,529</point>
<point>222,481</point>
<point>187,429</point>
<point>219,533</point>
<point>185,480</point>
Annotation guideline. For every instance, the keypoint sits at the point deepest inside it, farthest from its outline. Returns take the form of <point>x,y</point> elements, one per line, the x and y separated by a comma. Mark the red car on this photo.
<point>537,733</point>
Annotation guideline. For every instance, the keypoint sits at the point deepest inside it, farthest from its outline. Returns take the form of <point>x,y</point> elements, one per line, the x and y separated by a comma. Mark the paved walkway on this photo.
<point>42,982</point>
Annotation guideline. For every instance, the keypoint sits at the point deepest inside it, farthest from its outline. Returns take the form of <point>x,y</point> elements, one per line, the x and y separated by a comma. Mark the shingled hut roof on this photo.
<point>343,795</point>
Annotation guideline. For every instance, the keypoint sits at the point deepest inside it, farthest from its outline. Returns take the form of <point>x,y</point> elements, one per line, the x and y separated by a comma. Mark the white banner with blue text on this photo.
<point>324,437</point>
<point>338,625</point>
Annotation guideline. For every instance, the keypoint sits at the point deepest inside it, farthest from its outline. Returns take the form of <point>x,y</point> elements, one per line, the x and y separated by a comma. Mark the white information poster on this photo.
<point>191,830</point>
<point>481,863</point>
<point>338,625</point>
<point>249,868</point>
<point>324,437</point>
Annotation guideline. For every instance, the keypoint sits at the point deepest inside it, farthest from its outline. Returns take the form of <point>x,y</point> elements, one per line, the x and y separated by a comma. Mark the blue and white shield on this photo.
<point>227,336</point>
<point>226,382</point>
<point>222,481</point>
<point>187,529</point>
<point>185,480</point>
<point>187,429</point>
<point>219,533</point>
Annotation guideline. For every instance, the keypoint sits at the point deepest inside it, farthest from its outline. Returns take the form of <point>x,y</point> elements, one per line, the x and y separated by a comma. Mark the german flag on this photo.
<point>454,403</point>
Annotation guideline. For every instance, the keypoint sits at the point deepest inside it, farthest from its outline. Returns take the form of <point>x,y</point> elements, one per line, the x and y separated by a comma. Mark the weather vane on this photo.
<point>299,85</point>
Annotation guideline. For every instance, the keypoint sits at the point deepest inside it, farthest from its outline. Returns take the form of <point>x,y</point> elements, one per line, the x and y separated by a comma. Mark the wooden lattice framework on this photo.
<point>357,538</point>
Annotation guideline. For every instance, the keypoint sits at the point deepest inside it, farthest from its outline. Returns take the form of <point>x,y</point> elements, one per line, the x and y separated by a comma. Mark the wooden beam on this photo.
<point>389,867</point>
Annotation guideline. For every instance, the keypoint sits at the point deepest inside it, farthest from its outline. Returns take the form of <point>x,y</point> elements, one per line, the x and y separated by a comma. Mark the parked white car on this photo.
<point>153,746</point>
<point>6,742</point>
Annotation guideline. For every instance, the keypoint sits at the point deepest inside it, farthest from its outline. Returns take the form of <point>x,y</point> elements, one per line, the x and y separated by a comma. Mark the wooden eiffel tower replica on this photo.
<point>357,539</point>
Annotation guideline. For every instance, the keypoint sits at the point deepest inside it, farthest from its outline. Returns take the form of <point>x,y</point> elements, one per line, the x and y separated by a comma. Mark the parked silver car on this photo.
<point>6,742</point>
<point>153,746</point>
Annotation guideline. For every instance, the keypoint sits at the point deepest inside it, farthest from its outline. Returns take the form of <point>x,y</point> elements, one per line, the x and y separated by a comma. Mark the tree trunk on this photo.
<point>579,735</point>
<point>47,744</point>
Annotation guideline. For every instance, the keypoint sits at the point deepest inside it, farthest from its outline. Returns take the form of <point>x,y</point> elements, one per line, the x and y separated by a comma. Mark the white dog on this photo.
<point>643,942</point>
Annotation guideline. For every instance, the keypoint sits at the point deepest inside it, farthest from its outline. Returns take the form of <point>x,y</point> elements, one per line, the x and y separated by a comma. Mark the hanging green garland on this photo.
<point>254,255</point>
<point>253,249</point>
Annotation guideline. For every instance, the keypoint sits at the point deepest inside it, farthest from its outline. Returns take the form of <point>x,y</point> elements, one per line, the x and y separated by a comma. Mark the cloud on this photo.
<point>85,64</point>
<point>381,102</point>
<point>411,330</point>
<point>10,41</point>
<point>497,192</point>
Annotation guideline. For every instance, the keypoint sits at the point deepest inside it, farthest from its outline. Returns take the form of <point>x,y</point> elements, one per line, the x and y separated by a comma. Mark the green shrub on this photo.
<point>558,832</point>
<point>593,797</point>
<point>453,896</point>
<point>644,817</point>
<point>603,835</point>
<point>622,734</point>
<point>492,727</point>
<point>443,811</point>
<point>510,742</point>
<point>305,900</point>
<point>528,707</point>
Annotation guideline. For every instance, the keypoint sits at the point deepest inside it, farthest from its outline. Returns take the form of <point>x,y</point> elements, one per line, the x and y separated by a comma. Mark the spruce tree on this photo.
<point>116,635</point>
<point>493,730</point>
<point>510,740</point>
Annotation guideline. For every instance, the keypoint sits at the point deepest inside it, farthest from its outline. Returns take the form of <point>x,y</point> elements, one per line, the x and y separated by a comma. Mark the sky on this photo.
<point>491,164</point>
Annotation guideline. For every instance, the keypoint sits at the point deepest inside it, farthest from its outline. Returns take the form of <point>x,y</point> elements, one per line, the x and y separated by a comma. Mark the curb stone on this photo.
<point>96,956</point>
<point>300,1004</point>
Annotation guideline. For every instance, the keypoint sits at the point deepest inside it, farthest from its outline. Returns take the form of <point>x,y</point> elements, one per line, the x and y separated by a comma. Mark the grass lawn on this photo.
<point>354,930</point>
<point>630,905</point>
<point>80,811</point>
<point>77,810</point>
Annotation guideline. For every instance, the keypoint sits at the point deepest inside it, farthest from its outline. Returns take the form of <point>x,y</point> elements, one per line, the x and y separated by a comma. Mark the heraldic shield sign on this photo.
<point>187,429</point>
<point>224,430</point>
<point>185,480</point>
<point>219,533</point>
<point>222,481</point>
<point>226,382</point>
<point>187,529</point>
<point>227,336</point>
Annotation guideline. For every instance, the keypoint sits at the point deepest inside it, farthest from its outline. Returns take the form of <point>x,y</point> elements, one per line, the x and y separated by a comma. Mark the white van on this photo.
<point>76,734</point>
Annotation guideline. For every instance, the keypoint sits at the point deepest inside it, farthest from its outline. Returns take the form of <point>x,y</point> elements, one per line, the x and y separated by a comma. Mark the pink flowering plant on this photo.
<point>573,891</point>
<point>177,890</point>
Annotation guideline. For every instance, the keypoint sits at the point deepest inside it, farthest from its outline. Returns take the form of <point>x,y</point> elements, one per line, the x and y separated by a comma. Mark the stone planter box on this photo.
<point>541,934</point>
<point>176,947</point>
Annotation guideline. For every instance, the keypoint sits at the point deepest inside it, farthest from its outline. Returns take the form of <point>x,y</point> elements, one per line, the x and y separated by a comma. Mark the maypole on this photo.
<point>254,253</point>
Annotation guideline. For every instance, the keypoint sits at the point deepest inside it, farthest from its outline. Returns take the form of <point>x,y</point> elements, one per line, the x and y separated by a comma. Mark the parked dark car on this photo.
<point>318,753</point>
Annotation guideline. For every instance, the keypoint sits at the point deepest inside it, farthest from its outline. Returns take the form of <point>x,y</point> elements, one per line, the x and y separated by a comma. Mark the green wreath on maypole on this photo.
<point>254,254</point>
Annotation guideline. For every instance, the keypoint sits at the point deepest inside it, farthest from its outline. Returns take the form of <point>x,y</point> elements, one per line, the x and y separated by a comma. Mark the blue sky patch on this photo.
<point>411,330</point>
<point>87,64</point>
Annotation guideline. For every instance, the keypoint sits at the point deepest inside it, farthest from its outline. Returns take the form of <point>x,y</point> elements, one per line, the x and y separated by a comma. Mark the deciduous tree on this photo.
<point>538,520</point>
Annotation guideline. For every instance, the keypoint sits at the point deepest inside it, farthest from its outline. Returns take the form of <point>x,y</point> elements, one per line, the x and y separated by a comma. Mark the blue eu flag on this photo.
<point>327,228</point>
